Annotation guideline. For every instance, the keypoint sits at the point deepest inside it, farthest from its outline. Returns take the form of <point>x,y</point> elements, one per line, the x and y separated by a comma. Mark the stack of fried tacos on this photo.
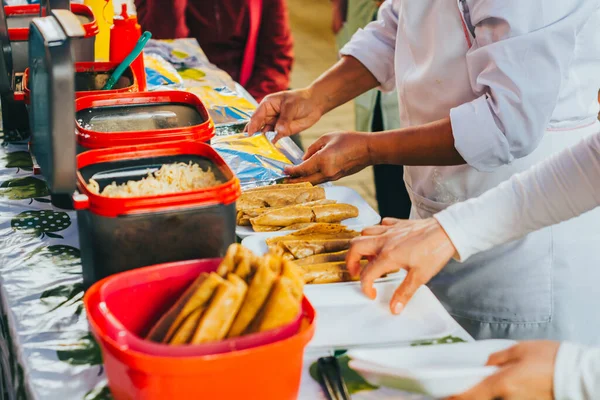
<point>319,249</point>
<point>289,207</point>
<point>247,294</point>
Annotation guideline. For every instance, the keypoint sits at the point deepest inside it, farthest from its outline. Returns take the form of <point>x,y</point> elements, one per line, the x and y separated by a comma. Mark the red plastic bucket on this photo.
<point>131,300</point>
<point>268,372</point>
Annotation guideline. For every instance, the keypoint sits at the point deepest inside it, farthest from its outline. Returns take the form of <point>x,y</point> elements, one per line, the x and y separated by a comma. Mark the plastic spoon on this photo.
<point>137,50</point>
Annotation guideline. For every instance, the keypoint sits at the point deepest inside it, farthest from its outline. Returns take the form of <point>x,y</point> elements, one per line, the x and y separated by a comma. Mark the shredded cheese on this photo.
<point>170,178</point>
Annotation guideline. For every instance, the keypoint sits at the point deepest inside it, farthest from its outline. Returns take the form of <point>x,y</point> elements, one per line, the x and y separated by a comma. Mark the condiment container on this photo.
<point>120,234</point>
<point>18,19</point>
<point>140,118</point>
<point>124,35</point>
<point>269,371</point>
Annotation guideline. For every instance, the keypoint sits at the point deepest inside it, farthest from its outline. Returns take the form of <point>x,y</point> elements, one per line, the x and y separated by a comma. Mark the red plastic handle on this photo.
<point>81,201</point>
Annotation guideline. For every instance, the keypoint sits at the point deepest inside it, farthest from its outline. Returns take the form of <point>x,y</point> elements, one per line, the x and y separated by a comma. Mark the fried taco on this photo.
<point>223,308</point>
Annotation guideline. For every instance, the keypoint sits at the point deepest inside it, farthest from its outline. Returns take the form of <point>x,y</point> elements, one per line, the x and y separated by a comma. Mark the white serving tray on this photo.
<point>439,371</point>
<point>366,215</point>
<point>346,318</point>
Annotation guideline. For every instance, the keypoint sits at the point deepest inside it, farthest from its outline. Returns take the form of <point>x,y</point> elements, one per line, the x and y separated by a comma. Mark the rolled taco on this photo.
<point>281,308</point>
<point>284,216</point>
<point>334,212</point>
<point>279,198</point>
<point>339,256</point>
<point>196,296</point>
<point>316,231</point>
<point>223,308</point>
<point>306,248</point>
<point>186,330</point>
<point>257,295</point>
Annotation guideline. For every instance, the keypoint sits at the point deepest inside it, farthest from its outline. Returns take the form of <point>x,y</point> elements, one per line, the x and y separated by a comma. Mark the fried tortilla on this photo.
<point>266,228</point>
<point>285,216</point>
<point>223,308</point>
<point>294,273</point>
<point>279,198</point>
<point>243,217</point>
<point>334,212</point>
<point>306,248</point>
<point>258,291</point>
<point>235,255</point>
<point>322,277</point>
<point>316,231</point>
<point>187,328</point>
<point>339,256</point>
<point>330,272</point>
<point>281,308</point>
<point>197,295</point>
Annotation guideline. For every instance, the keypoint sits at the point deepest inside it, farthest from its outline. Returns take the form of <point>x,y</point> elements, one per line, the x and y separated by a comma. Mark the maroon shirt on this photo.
<point>221,28</point>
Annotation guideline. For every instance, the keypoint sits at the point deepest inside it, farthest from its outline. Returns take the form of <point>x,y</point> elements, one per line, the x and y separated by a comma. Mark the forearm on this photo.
<point>347,79</point>
<point>429,144</point>
<point>561,187</point>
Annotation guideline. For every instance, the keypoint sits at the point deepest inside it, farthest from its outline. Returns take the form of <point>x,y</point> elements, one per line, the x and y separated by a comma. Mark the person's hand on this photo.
<point>421,247</point>
<point>526,373</point>
<point>332,157</point>
<point>286,113</point>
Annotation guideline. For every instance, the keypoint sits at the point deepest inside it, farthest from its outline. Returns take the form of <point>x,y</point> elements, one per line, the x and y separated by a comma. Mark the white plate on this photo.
<point>258,245</point>
<point>346,318</point>
<point>438,371</point>
<point>366,215</point>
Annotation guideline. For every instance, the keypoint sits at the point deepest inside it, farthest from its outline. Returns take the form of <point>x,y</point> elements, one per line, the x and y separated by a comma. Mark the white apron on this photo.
<point>544,286</point>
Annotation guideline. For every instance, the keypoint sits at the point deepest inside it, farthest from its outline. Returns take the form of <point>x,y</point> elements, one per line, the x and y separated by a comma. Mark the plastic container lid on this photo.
<point>22,34</point>
<point>132,301</point>
<point>93,139</point>
<point>225,193</point>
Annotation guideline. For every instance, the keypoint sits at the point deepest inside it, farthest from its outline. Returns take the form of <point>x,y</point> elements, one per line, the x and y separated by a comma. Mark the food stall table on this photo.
<point>46,350</point>
<point>46,346</point>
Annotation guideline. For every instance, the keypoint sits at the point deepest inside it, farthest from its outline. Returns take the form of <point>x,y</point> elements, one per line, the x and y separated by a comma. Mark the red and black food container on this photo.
<point>90,78</point>
<point>141,118</point>
<point>120,234</point>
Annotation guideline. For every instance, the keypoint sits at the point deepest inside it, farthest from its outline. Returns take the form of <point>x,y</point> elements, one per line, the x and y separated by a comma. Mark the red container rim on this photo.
<point>129,340</point>
<point>103,66</point>
<point>96,140</point>
<point>22,34</point>
<point>83,67</point>
<point>225,193</point>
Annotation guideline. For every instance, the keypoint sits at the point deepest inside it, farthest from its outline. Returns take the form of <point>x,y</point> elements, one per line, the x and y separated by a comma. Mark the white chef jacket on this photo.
<point>545,46</point>
<point>519,87</point>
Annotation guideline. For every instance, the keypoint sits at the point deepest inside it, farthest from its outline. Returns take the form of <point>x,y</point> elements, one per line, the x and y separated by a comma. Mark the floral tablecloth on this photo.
<point>46,350</point>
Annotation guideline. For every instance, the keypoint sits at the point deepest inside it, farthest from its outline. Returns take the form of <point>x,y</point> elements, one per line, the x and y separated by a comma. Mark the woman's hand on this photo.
<point>286,113</point>
<point>421,247</point>
<point>332,157</point>
<point>526,373</point>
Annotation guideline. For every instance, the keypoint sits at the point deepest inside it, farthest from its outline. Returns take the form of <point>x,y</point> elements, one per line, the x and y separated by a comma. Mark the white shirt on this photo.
<point>560,188</point>
<point>544,45</point>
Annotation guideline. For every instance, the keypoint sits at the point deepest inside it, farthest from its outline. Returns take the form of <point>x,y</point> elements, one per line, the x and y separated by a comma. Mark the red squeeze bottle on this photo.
<point>124,35</point>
